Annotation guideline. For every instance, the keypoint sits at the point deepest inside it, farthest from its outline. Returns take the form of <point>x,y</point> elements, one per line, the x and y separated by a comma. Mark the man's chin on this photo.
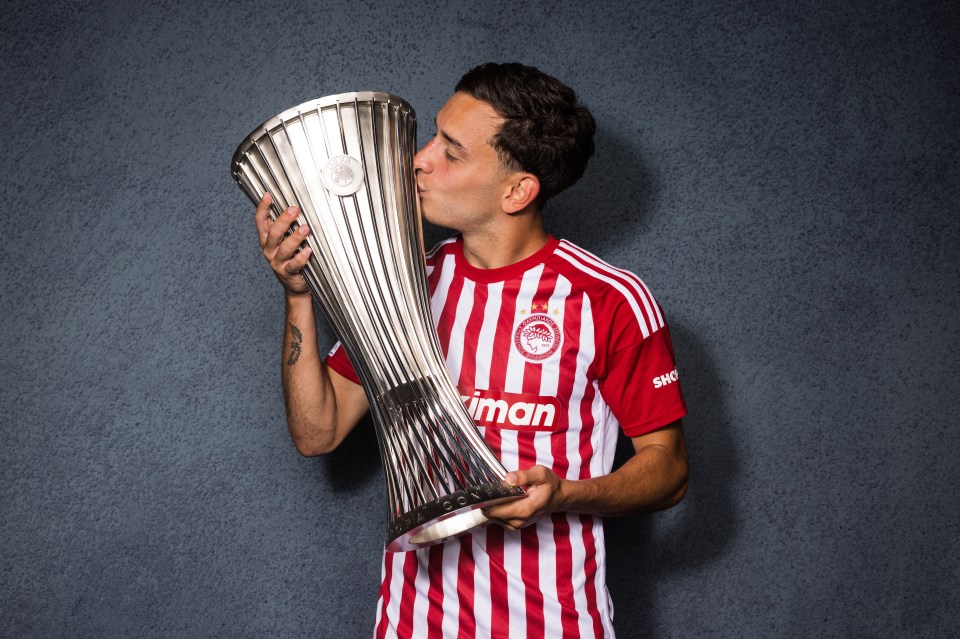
<point>429,219</point>
<point>427,215</point>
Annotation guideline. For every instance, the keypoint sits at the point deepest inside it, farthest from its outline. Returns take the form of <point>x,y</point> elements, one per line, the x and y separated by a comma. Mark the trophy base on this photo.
<point>450,516</point>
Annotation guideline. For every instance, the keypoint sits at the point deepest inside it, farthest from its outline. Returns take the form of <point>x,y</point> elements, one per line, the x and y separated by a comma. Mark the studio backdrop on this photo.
<point>783,177</point>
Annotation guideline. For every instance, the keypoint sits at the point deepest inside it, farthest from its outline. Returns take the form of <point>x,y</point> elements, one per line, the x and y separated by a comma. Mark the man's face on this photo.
<point>459,175</point>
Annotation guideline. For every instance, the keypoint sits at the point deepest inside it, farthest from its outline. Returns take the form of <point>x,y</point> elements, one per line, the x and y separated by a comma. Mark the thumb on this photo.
<point>515,478</point>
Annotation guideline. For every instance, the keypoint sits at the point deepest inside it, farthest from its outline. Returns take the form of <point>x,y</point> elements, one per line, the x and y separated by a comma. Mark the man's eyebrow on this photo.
<point>452,140</point>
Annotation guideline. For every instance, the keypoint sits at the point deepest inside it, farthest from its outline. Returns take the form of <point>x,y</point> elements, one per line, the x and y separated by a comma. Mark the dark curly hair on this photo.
<point>547,131</point>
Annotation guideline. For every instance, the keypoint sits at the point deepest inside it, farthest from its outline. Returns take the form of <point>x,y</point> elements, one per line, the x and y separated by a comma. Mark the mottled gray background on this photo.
<point>784,177</point>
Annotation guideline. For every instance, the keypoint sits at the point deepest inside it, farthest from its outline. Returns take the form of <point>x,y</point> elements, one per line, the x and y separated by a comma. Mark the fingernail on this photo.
<point>510,479</point>
<point>303,230</point>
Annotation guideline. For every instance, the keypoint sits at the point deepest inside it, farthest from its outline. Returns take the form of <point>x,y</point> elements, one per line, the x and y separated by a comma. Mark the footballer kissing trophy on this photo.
<point>346,161</point>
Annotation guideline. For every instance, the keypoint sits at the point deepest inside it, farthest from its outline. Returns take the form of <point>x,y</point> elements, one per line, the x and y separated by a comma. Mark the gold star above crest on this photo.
<point>540,308</point>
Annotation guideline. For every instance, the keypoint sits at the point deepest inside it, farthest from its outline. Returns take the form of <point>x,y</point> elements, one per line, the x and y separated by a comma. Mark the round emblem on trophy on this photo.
<point>342,175</point>
<point>537,338</point>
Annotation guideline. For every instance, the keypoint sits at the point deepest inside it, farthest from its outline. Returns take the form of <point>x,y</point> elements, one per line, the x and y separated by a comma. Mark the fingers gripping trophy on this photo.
<point>346,162</point>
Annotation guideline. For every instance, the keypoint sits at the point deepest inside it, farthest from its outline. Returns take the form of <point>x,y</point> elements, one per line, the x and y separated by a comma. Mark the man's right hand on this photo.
<point>281,252</point>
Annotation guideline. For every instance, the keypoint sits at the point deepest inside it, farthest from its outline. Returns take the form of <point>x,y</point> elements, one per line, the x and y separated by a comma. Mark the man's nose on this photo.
<point>422,161</point>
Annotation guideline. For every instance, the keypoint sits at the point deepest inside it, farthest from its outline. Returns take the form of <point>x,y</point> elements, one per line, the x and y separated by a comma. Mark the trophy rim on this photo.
<point>403,530</point>
<point>314,104</point>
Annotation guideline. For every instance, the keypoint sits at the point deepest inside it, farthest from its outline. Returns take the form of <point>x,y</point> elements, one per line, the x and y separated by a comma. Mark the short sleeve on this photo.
<point>642,386</point>
<point>337,360</point>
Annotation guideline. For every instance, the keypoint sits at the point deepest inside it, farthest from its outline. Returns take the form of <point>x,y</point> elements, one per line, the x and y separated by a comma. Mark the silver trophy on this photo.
<point>346,161</point>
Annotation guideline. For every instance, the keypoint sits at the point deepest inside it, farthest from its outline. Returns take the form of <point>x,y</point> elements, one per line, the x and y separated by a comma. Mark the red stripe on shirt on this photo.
<point>573,312</point>
<point>435,592</point>
<point>381,631</point>
<point>590,572</point>
<point>449,313</point>
<point>465,588</point>
<point>408,595</point>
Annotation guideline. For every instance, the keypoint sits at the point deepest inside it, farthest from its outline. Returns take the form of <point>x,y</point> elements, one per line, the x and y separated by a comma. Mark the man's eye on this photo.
<point>450,157</point>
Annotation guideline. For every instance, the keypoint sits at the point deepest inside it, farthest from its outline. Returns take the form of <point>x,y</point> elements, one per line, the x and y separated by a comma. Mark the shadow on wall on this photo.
<point>642,552</point>
<point>355,465</point>
<point>611,204</point>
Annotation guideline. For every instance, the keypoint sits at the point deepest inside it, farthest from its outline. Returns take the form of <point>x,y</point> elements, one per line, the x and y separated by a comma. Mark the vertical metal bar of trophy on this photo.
<point>346,161</point>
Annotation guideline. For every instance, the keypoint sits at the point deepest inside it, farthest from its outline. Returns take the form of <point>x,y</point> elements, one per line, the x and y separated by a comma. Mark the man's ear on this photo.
<point>523,191</point>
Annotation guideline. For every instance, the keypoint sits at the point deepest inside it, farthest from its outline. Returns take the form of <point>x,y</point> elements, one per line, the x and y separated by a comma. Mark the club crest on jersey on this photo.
<point>537,337</point>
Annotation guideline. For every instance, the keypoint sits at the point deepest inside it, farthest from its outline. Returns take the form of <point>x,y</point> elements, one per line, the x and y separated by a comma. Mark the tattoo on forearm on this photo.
<point>295,347</point>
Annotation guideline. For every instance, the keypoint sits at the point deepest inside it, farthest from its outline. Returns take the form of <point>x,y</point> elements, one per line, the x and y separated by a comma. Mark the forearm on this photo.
<point>322,406</point>
<point>308,393</point>
<point>653,479</point>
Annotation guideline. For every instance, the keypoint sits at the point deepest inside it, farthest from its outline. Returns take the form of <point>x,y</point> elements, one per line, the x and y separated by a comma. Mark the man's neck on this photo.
<point>506,245</point>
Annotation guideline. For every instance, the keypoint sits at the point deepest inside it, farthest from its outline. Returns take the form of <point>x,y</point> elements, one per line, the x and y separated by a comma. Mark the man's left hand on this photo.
<point>543,497</point>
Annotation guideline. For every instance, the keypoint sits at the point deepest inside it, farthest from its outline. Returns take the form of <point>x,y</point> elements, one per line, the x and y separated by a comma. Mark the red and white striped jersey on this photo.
<point>551,355</point>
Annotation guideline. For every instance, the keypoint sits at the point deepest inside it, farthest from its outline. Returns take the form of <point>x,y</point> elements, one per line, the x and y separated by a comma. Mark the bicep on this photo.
<point>352,402</point>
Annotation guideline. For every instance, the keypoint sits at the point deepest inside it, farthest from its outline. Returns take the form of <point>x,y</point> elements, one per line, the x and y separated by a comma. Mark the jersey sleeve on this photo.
<point>337,360</point>
<point>642,386</point>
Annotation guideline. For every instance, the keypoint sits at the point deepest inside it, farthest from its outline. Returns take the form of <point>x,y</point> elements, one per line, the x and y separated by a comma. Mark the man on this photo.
<point>521,316</point>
